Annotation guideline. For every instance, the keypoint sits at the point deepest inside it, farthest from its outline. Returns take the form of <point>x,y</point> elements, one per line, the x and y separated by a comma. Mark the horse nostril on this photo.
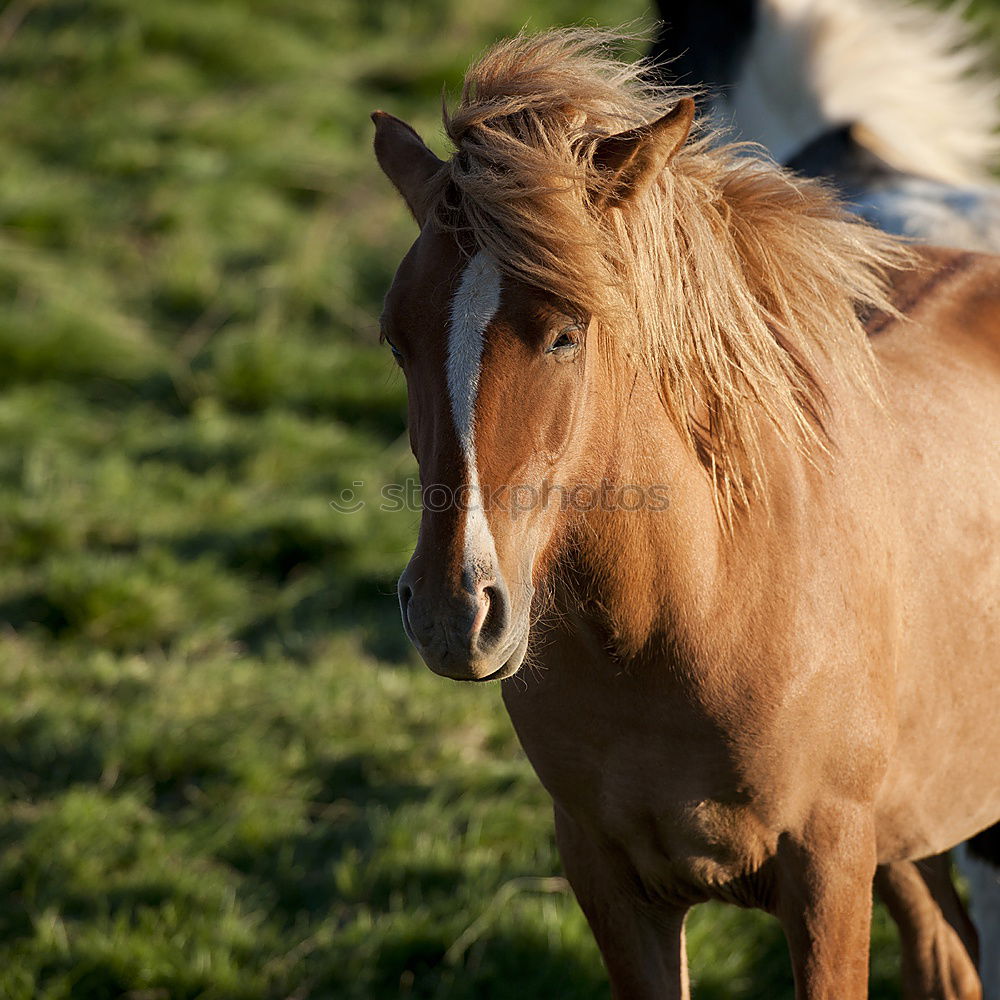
<point>495,619</point>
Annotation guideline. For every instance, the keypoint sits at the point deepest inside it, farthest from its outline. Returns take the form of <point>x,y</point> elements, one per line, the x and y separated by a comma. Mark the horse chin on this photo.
<point>514,660</point>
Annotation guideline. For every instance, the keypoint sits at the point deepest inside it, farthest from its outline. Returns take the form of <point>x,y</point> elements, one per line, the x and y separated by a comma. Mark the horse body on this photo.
<point>747,698</point>
<point>751,721</point>
<point>941,370</point>
<point>759,691</point>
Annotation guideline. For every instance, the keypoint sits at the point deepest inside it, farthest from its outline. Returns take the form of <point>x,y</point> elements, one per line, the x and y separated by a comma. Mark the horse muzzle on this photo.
<point>472,635</point>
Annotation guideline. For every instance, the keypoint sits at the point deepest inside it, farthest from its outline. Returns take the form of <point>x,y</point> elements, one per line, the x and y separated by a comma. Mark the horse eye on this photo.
<point>395,350</point>
<point>565,341</point>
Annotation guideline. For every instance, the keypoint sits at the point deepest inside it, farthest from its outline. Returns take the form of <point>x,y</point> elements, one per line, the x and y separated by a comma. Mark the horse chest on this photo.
<point>656,785</point>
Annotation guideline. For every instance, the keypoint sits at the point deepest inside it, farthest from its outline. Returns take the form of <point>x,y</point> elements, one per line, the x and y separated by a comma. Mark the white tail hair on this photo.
<point>913,81</point>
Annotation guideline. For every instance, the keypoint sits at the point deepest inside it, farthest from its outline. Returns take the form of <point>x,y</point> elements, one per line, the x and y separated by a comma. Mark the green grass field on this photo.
<point>222,772</point>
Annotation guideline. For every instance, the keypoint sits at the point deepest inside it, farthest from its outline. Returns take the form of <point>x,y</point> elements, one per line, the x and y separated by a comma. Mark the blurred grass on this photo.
<point>222,775</point>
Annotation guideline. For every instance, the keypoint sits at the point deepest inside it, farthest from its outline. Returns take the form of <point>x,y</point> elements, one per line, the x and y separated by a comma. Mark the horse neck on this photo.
<point>683,576</point>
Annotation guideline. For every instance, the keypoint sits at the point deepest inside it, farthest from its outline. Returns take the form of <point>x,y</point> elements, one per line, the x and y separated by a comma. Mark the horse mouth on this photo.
<point>513,661</point>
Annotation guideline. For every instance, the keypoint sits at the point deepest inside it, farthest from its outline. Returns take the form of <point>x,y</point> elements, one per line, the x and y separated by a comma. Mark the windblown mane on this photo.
<point>732,279</point>
<point>914,80</point>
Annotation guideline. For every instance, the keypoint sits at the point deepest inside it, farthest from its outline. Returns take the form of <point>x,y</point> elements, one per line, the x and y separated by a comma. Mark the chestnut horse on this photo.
<point>745,624</point>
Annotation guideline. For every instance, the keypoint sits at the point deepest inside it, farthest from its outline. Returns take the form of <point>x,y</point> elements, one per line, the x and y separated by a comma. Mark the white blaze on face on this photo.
<point>476,301</point>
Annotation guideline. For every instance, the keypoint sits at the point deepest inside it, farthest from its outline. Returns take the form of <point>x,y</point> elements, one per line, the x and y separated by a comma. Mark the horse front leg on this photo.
<point>644,952</point>
<point>937,940</point>
<point>824,902</point>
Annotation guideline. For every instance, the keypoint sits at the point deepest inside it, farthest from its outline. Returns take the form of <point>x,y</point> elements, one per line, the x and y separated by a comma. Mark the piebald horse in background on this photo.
<point>894,102</point>
<point>771,685</point>
<point>897,105</point>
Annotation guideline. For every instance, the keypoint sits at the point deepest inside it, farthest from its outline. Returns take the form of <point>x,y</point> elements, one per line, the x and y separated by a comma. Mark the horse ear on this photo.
<point>406,161</point>
<point>631,161</point>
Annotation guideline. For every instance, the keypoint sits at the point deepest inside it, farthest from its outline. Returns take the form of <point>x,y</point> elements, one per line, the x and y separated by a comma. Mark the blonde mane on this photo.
<point>733,280</point>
